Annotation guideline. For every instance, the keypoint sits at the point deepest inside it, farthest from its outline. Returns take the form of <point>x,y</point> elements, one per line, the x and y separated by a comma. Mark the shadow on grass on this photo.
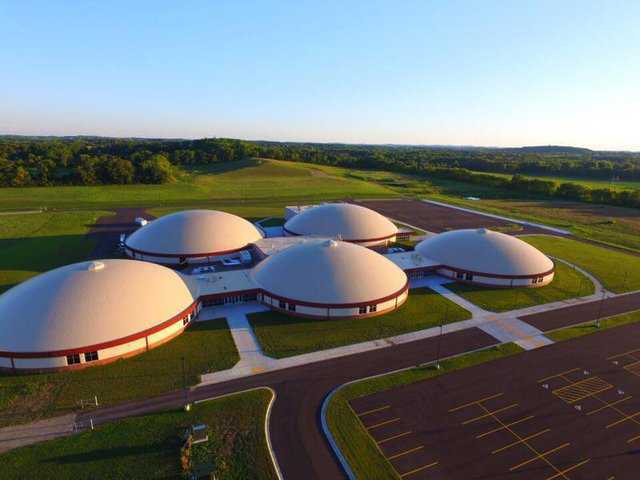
<point>169,446</point>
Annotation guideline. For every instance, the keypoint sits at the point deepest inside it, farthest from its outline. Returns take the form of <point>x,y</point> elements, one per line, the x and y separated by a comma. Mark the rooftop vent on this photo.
<point>95,266</point>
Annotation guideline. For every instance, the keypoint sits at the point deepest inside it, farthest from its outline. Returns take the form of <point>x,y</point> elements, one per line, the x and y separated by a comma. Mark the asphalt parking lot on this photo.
<point>567,411</point>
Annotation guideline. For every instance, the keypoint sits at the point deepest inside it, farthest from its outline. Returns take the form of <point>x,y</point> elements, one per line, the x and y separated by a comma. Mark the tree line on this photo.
<point>42,161</point>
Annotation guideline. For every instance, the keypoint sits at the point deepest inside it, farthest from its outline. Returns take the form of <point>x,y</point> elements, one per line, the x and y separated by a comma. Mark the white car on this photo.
<point>141,222</point>
<point>206,269</point>
<point>230,262</point>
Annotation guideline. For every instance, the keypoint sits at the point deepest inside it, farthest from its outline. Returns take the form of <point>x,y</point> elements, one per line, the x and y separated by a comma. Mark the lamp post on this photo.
<point>600,309</point>
<point>443,319</point>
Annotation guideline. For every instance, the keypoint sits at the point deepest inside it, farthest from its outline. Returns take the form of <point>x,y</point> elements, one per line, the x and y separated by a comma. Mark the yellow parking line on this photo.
<point>609,405</point>
<point>419,469</point>
<point>623,354</point>
<point>406,452</point>
<point>626,417</point>
<point>388,439</point>
<point>633,439</point>
<point>540,455</point>
<point>520,441</point>
<point>489,414</point>
<point>386,422</point>
<point>460,407</point>
<point>505,426</point>
<point>558,374</point>
<point>568,470</point>
<point>379,409</point>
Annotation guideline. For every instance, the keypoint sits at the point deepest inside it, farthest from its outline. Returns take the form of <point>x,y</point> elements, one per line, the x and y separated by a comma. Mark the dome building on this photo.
<point>328,279</point>
<point>91,313</point>
<point>191,236</point>
<point>351,223</point>
<point>485,257</point>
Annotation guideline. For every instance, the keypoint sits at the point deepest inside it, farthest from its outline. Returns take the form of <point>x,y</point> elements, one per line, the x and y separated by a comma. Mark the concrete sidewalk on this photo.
<point>21,435</point>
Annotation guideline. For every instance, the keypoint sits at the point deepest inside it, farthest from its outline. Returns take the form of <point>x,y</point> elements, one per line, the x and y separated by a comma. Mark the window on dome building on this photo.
<point>363,309</point>
<point>90,356</point>
<point>73,359</point>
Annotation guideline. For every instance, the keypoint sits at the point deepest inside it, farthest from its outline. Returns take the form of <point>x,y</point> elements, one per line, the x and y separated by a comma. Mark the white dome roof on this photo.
<point>329,272</point>
<point>352,222</point>
<point>485,251</point>
<point>194,233</point>
<point>89,303</point>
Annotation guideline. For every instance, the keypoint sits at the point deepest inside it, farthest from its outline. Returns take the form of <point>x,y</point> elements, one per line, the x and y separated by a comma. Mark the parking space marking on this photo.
<point>419,469</point>
<point>539,456</point>
<point>552,477</point>
<point>379,409</point>
<point>502,428</point>
<point>609,404</point>
<point>489,414</point>
<point>577,391</point>
<point>475,402</point>
<point>626,418</point>
<point>406,452</point>
<point>630,353</point>
<point>518,442</point>
<point>633,368</point>
<point>386,422</point>
<point>633,439</point>
<point>566,372</point>
<point>388,439</point>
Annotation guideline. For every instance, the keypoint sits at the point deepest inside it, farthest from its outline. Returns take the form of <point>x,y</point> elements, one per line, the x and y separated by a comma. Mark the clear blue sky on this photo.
<point>430,72</point>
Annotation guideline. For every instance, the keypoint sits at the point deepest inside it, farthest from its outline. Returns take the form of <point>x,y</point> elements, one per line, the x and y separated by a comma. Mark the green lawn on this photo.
<point>352,438</point>
<point>619,272</point>
<point>604,223</point>
<point>148,446</point>
<point>205,346</point>
<point>33,243</point>
<point>568,333</point>
<point>254,182</point>
<point>281,335</point>
<point>567,283</point>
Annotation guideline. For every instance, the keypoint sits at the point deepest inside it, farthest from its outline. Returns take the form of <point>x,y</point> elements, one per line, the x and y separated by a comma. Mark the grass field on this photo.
<point>33,243</point>
<point>258,182</point>
<point>619,272</point>
<point>148,446</point>
<point>588,328</point>
<point>353,440</point>
<point>205,346</point>
<point>567,283</point>
<point>604,223</point>
<point>590,183</point>
<point>281,335</point>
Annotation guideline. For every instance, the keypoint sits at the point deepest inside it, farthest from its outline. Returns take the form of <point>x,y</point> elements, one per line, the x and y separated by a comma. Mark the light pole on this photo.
<point>600,310</point>
<point>184,386</point>
<point>443,319</point>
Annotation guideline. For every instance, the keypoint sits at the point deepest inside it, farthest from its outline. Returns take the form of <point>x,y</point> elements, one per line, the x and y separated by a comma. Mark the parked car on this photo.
<point>230,262</point>
<point>205,269</point>
<point>141,222</point>
<point>395,250</point>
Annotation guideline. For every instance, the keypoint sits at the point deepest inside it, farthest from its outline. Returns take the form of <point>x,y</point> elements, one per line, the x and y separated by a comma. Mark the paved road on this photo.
<point>562,317</point>
<point>296,434</point>
<point>107,230</point>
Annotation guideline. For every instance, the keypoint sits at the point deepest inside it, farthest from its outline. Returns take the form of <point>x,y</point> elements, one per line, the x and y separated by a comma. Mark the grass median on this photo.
<point>282,335</point>
<point>148,446</point>
<point>592,327</point>
<point>618,271</point>
<point>205,347</point>
<point>567,283</point>
<point>353,440</point>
